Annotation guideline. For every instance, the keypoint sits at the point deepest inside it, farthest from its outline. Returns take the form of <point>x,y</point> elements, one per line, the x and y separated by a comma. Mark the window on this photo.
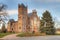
<point>12,29</point>
<point>11,24</point>
<point>19,17</point>
<point>19,27</point>
<point>23,17</point>
<point>35,20</point>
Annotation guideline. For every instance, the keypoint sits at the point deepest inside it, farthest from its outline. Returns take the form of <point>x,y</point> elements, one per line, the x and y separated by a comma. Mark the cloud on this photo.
<point>12,12</point>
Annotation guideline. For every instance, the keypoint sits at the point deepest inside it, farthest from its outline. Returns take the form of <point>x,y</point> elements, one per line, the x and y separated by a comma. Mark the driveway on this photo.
<point>9,37</point>
<point>13,37</point>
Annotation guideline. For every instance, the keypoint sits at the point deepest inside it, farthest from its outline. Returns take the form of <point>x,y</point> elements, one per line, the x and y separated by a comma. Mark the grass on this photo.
<point>57,34</point>
<point>35,34</point>
<point>29,34</point>
<point>4,34</point>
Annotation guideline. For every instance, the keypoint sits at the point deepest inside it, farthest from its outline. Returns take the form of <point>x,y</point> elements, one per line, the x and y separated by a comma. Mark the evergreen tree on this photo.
<point>48,23</point>
<point>41,26</point>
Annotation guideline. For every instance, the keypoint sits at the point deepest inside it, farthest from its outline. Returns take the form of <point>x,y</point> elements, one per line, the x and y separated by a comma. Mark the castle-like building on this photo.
<point>27,22</point>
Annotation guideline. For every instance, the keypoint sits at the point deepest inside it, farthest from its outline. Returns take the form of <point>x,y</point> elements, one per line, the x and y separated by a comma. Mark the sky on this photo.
<point>53,6</point>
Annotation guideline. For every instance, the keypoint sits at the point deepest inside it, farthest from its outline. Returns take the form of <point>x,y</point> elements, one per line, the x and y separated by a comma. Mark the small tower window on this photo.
<point>12,29</point>
<point>19,17</point>
<point>23,17</point>
<point>11,23</point>
<point>19,27</point>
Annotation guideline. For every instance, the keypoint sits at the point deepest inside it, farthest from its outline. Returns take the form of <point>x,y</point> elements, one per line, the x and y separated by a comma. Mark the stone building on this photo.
<point>27,22</point>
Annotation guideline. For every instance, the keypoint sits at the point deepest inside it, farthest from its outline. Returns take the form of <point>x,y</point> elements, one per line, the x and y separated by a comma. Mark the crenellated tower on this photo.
<point>22,17</point>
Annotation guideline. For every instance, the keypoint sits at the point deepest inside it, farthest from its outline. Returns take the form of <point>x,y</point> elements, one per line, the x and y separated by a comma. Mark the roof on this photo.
<point>30,14</point>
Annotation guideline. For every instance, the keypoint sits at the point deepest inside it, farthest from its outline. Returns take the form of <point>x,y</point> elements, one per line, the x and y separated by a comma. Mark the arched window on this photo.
<point>12,29</point>
<point>19,27</point>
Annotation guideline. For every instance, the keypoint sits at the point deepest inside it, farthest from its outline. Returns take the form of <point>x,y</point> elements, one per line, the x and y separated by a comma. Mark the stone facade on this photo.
<point>27,22</point>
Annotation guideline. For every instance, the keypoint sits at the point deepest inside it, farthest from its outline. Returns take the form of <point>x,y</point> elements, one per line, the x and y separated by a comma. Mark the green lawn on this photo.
<point>4,34</point>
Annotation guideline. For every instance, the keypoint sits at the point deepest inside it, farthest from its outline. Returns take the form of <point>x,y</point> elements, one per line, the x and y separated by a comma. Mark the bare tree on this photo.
<point>3,13</point>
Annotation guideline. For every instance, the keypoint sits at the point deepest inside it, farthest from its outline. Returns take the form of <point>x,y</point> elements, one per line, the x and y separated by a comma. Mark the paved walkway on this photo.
<point>9,37</point>
<point>13,37</point>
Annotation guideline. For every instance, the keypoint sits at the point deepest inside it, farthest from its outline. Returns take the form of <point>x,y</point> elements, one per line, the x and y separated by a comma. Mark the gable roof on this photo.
<point>30,14</point>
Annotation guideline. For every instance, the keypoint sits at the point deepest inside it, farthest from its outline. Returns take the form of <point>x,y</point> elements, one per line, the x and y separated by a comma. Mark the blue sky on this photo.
<point>53,6</point>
